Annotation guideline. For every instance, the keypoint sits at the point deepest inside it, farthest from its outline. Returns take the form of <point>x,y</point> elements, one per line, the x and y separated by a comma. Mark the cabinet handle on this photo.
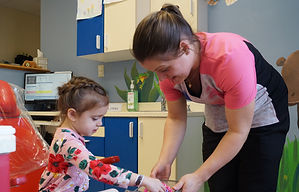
<point>131,129</point>
<point>98,41</point>
<point>140,131</point>
<point>106,42</point>
<point>86,141</point>
<point>191,7</point>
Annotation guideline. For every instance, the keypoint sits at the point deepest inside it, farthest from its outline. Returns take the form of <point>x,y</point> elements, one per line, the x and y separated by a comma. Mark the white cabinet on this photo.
<point>119,23</point>
<point>150,138</point>
<point>117,27</point>
<point>121,20</point>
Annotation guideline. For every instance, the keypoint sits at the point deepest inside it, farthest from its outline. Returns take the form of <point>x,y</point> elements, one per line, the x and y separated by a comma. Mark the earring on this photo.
<point>184,47</point>
<point>186,50</point>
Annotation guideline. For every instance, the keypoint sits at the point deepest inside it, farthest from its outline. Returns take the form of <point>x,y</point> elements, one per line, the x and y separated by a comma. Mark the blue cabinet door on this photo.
<point>121,140</point>
<point>95,186</point>
<point>96,145</point>
<point>87,31</point>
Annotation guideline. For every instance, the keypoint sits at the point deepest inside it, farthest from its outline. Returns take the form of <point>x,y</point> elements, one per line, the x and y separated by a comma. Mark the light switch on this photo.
<point>100,70</point>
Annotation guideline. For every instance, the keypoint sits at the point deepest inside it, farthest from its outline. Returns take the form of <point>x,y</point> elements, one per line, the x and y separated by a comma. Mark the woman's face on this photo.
<point>175,70</point>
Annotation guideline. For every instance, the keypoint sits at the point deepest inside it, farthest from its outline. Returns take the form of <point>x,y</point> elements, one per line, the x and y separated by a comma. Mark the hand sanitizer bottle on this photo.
<point>132,99</point>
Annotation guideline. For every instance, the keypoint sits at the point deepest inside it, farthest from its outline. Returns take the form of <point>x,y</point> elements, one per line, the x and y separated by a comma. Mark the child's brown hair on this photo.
<point>81,94</point>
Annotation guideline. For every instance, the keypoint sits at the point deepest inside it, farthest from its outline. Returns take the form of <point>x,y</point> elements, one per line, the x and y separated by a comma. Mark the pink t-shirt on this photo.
<point>228,78</point>
<point>227,72</point>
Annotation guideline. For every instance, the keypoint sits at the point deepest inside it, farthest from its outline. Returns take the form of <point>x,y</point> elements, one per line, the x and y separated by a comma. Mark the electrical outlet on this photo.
<point>101,70</point>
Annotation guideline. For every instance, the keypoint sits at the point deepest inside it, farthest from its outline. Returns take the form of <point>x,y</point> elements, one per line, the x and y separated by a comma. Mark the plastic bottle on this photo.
<point>132,99</point>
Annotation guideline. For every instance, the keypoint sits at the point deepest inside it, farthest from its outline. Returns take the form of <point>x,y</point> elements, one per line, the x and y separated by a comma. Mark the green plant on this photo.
<point>147,85</point>
<point>288,179</point>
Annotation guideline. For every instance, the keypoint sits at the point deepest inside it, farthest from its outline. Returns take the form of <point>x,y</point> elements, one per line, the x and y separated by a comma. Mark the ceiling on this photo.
<point>29,6</point>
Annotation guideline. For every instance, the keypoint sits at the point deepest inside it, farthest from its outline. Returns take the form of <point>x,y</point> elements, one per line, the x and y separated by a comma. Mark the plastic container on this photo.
<point>132,99</point>
<point>7,139</point>
<point>7,145</point>
<point>42,62</point>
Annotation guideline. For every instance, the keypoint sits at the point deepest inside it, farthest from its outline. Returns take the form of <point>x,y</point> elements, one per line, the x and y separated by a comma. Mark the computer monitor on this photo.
<point>41,89</point>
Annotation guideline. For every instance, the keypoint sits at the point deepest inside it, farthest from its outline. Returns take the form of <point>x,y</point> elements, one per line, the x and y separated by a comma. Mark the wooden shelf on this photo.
<point>43,113</point>
<point>22,68</point>
<point>48,123</point>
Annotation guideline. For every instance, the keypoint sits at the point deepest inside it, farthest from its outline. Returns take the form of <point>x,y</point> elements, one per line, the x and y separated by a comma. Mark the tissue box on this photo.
<point>42,62</point>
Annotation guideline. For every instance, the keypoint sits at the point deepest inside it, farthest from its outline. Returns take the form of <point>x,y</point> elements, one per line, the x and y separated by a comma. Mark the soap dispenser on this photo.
<point>132,99</point>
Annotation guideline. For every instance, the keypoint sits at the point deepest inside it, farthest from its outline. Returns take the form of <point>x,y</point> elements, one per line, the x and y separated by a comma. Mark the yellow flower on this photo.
<point>56,175</point>
<point>140,80</point>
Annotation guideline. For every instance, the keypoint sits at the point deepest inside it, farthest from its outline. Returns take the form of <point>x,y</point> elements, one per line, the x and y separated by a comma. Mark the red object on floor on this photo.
<point>4,173</point>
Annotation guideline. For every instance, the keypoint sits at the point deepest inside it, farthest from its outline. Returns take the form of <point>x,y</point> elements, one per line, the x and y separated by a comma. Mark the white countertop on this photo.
<point>148,114</point>
<point>145,110</point>
<point>121,114</point>
<point>150,110</point>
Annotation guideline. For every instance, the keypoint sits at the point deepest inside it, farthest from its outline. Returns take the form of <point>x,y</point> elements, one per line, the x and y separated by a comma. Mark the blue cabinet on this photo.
<point>114,29</point>
<point>96,145</point>
<point>120,140</point>
<point>90,35</point>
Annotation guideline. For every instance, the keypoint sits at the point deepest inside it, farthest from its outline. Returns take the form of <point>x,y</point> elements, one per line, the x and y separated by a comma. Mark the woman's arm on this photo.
<point>174,132</point>
<point>239,122</point>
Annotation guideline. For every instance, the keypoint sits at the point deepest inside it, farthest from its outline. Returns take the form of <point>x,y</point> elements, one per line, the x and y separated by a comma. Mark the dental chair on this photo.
<point>31,155</point>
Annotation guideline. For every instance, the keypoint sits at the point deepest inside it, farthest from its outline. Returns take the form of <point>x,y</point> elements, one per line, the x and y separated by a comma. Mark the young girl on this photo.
<point>82,104</point>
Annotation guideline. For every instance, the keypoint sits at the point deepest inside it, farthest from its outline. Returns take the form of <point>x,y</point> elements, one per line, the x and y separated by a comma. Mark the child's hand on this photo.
<point>153,185</point>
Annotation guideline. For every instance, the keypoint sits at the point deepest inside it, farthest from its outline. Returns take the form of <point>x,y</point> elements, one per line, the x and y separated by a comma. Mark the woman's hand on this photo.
<point>189,183</point>
<point>161,171</point>
<point>153,184</point>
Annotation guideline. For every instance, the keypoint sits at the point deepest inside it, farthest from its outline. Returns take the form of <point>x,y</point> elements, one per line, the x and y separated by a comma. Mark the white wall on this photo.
<point>20,33</point>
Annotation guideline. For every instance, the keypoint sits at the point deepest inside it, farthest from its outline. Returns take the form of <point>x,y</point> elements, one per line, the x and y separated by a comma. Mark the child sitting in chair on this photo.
<point>82,104</point>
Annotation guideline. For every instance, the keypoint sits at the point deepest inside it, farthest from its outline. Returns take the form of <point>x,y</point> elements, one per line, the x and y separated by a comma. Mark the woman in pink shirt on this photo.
<point>246,109</point>
<point>82,104</point>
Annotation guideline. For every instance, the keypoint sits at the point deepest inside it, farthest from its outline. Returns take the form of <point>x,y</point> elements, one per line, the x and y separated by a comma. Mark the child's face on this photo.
<point>89,121</point>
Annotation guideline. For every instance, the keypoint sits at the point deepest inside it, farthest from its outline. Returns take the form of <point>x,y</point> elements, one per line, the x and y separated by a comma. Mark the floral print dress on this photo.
<point>70,164</point>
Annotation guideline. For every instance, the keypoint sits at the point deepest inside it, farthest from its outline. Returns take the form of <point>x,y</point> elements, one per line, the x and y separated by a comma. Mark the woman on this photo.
<point>246,110</point>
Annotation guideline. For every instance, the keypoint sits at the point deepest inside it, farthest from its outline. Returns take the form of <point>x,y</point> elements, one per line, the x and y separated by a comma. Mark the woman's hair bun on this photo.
<point>170,8</point>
